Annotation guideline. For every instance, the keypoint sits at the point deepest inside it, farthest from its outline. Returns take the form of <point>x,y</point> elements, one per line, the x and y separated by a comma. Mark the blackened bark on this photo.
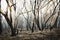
<point>37,22</point>
<point>0,20</point>
<point>33,28</point>
<point>13,33</point>
<point>0,25</point>
<point>0,28</point>
<point>34,20</point>
<point>9,21</point>
<point>13,30</point>
<point>55,24</point>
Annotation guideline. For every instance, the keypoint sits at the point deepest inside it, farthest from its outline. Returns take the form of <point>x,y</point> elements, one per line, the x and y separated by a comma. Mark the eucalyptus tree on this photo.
<point>9,18</point>
<point>0,20</point>
<point>0,24</point>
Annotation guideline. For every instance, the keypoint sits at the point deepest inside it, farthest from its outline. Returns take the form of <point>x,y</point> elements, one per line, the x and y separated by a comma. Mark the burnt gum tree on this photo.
<point>0,20</point>
<point>9,21</point>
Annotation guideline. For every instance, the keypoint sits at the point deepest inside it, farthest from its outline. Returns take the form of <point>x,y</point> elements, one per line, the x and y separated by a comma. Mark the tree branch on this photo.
<point>2,13</point>
<point>52,13</point>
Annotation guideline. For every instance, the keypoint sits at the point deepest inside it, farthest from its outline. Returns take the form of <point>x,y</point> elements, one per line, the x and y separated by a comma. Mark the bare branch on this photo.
<point>52,13</point>
<point>2,13</point>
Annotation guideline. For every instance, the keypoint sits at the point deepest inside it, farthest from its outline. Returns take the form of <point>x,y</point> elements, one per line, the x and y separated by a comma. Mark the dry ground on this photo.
<point>37,35</point>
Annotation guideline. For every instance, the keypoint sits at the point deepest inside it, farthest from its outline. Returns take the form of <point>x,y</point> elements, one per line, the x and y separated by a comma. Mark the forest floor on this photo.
<point>36,35</point>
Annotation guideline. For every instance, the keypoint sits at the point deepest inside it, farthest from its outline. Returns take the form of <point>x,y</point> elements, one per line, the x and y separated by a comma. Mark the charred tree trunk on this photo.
<point>33,28</point>
<point>0,20</point>
<point>37,22</point>
<point>34,20</point>
<point>55,24</point>
<point>13,30</point>
<point>28,26</point>
<point>0,25</point>
<point>9,21</point>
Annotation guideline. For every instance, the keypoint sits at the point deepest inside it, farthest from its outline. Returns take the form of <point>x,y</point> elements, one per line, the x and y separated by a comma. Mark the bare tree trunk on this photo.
<point>55,24</point>
<point>13,30</point>
<point>28,23</point>
<point>0,25</point>
<point>9,21</point>
<point>34,20</point>
<point>37,22</point>
<point>0,20</point>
